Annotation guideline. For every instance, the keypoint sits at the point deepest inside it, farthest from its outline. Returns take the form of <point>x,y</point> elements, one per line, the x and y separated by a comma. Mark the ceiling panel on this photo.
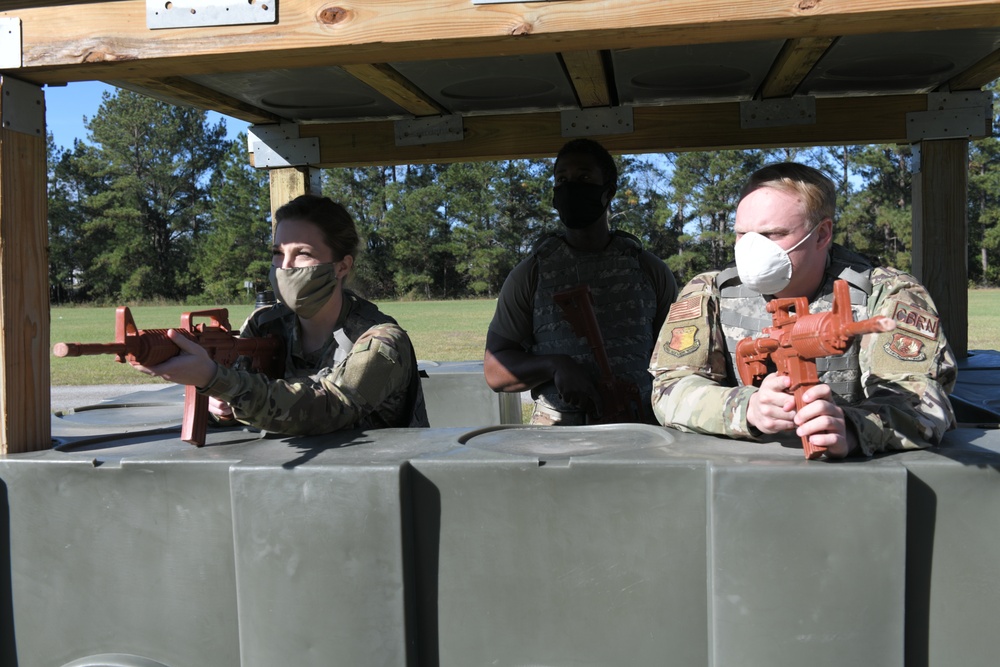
<point>897,63</point>
<point>493,85</point>
<point>692,74</point>
<point>303,95</point>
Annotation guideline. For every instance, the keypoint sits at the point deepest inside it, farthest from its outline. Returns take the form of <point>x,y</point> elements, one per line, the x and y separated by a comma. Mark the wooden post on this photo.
<point>940,233</point>
<point>287,183</point>
<point>25,400</point>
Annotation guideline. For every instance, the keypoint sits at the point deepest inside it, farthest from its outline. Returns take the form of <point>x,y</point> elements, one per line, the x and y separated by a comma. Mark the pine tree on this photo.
<point>236,247</point>
<point>155,159</point>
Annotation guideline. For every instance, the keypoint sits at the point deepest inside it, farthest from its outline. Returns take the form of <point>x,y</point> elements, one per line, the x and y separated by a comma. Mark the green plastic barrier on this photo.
<point>506,545</point>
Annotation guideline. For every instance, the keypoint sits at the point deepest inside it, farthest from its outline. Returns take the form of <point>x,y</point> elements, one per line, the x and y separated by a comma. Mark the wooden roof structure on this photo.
<point>360,82</point>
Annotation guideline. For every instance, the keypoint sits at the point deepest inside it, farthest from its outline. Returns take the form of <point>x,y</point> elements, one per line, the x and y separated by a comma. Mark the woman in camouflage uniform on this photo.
<point>347,364</point>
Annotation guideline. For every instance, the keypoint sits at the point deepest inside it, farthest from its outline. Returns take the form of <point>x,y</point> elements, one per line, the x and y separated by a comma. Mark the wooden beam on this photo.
<point>109,40</point>
<point>178,90</point>
<point>796,59</point>
<point>25,401</point>
<point>396,87</point>
<point>977,76</point>
<point>940,234</point>
<point>287,183</point>
<point>590,80</point>
<point>859,120</point>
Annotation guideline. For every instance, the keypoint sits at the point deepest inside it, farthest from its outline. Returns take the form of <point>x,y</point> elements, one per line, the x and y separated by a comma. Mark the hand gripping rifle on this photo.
<point>620,400</point>
<point>150,347</point>
<point>796,340</point>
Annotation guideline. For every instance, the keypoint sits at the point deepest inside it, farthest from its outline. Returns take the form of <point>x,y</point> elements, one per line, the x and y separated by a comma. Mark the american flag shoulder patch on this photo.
<point>686,309</point>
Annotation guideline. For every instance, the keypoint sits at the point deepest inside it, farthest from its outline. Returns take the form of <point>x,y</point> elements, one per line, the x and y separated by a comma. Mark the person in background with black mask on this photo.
<point>532,346</point>
<point>887,391</point>
<point>347,364</point>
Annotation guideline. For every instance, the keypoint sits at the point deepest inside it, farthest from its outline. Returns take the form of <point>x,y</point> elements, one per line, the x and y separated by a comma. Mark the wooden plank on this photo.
<point>396,87</point>
<point>797,58</point>
<point>977,76</point>
<point>589,79</point>
<point>25,402</point>
<point>940,234</point>
<point>860,120</point>
<point>109,40</point>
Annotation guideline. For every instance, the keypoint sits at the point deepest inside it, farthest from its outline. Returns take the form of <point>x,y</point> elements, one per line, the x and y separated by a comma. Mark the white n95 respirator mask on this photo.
<point>763,265</point>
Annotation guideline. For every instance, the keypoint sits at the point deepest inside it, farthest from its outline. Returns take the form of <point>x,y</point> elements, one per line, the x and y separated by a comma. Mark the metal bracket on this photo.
<point>22,108</point>
<point>778,112</point>
<point>10,43</point>
<point>433,130</point>
<point>966,114</point>
<point>201,13</point>
<point>279,145</point>
<point>600,120</point>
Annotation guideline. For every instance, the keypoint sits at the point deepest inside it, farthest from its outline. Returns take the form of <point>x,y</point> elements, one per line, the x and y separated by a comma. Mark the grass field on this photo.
<point>440,330</point>
<point>984,319</point>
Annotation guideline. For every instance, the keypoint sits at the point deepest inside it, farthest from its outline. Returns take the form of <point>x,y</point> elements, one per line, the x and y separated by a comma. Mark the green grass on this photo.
<point>984,319</point>
<point>440,330</point>
<point>444,330</point>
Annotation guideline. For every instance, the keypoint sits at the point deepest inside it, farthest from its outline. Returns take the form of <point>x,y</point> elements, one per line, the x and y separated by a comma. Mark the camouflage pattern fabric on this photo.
<point>905,374</point>
<point>364,377</point>
<point>632,291</point>
<point>742,316</point>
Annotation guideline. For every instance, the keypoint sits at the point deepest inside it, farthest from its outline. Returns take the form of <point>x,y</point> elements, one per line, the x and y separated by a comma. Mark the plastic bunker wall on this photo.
<point>502,545</point>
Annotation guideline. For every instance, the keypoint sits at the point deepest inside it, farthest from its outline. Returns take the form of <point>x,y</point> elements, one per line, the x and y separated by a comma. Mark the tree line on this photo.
<point>159,205</point>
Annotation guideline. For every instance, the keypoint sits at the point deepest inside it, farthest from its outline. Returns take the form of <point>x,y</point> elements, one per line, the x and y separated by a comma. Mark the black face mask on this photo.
<point>579,204</point>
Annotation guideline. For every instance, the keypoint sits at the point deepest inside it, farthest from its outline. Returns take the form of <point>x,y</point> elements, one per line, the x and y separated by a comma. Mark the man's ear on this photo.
<point>824,233</point>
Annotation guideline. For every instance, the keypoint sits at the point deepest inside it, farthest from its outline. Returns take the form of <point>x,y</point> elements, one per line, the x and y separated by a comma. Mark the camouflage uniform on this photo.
<point>893,387</point>
<point>632,290</point>
<point>364,377</point>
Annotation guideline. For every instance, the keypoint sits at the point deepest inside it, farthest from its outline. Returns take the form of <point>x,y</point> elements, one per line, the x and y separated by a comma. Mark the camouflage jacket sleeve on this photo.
<point>907,373</point>
<point>373,378</point>
<point>691,387</point>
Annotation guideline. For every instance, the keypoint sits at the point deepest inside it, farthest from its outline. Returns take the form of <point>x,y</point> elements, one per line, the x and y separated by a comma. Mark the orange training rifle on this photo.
<point>620,400</point>
<point>797,339</point>
<point>150,347</point>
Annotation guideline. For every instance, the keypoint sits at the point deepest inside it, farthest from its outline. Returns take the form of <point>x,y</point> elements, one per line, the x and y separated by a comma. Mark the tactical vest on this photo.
<point>624,305</point>
<point>744,313</point>
<point>361,316</point>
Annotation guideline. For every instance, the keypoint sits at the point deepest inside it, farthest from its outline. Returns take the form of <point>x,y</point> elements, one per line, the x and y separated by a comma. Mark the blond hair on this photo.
<point>812,186</point>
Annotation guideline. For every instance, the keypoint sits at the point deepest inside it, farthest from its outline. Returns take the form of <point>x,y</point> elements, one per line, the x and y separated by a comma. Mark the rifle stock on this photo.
<point>150,347</point>
<point>796,339</point>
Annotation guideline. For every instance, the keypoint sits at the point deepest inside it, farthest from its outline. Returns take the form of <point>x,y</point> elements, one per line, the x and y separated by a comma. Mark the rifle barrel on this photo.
<point>877,324</point>
<point>86,349</point>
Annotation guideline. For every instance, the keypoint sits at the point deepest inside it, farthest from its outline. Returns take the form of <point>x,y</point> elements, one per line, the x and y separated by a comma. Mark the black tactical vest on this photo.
<point>624,305</point>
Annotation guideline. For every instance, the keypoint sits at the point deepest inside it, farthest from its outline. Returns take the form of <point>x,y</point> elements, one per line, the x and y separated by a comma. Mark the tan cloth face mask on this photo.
<point>304,289</point>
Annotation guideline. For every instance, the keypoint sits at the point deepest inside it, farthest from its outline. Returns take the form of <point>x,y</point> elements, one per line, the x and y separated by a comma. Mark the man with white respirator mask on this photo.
<point>887,391</point>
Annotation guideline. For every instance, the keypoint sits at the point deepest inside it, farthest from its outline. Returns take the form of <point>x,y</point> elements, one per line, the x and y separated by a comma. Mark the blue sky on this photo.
<point>65,107</point>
